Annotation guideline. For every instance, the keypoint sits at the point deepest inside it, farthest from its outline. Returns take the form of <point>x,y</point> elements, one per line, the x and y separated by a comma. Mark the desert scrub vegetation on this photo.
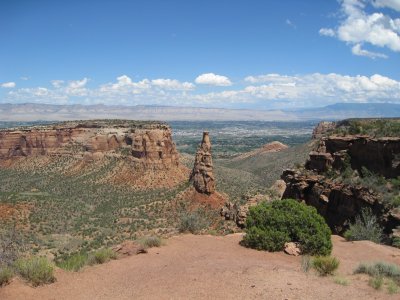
<point>73,262</point>
<point>150,242</point>
<point>365,227</point>
<point>101,256</point>
<point>6,273</point>
<point>325,265</point>
<point>270,225</point>
<point>67,214</point>
<point>382,273</point>
<point>193,221</point>
<point>341,280</point>
<point>36,270</point>
<point>371,127</point>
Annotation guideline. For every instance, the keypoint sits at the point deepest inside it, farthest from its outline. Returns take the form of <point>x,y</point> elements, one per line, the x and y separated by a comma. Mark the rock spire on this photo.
<point>202,174</point>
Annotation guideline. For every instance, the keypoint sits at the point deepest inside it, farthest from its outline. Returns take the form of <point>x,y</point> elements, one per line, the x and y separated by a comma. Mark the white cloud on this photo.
<point>172,84</point>
<point>394,4</point>
<point>327,32</point>
<point>359,27</point>
<point>77,84</point>
<point>8,85</point>
<point>357,50</point>
<point>295,90</point>
<point>213,79</point>
<point>57,83</point>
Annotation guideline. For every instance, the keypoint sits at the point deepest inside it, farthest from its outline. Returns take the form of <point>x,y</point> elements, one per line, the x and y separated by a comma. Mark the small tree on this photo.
<point>270,225</point>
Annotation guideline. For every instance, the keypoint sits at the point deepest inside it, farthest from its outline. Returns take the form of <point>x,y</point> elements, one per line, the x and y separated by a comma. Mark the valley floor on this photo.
<point>211,267</point>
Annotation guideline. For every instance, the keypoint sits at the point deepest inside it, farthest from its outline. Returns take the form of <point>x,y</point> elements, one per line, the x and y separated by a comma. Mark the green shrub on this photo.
<point>392,287</point>
<point>150,241</point>
<point>74,262</point>
<point>325,265</point>
<point>270,225</point>
<point>36,270</point>
<point>192,222</point>
<point>379,269</point>
<point>376,282</point>
<point>396,242</point>
<point>365,227</point>
<point>341,280</point>
<point>101,256</point>
<point>5,275</point>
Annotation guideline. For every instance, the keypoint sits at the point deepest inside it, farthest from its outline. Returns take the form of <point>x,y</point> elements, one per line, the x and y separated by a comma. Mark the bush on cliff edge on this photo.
<point>270,225</point>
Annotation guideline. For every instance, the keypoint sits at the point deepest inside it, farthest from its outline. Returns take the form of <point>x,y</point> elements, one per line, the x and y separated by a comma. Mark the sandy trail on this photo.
<point>209,267</point>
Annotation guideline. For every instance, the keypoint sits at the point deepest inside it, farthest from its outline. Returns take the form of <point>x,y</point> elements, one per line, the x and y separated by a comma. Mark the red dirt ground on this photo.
<point>210,267</point>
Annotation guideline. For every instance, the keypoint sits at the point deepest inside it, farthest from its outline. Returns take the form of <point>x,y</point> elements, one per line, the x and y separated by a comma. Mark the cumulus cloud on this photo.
<point>173,84</point>
<point>8,85</point>
<point>213,79</point>
<point>295,90</point>
<point>359,27</point>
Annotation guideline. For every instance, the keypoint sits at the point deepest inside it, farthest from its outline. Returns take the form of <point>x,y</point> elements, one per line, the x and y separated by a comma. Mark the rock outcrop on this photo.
<point>338,203</point>
<point>147,143</point>
<point>379,155</point>
<point>323,128</point>
<point>202,174</point>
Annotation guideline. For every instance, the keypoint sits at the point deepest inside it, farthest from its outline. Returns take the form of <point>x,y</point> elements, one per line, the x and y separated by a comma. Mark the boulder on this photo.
<point>292,248</point>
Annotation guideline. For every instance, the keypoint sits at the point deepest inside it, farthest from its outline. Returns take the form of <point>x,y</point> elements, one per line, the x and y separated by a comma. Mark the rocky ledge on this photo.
<point>379,155</point>
<point>338,203</point>
<point>148,143</point>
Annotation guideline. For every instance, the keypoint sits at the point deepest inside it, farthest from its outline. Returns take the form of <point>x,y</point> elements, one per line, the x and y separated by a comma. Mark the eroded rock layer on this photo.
<point>202,174</point>
<point>148,143</point>
<point>379,155</point>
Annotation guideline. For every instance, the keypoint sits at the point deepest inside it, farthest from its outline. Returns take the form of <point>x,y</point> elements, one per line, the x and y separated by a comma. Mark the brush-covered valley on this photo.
<point>79,193</point>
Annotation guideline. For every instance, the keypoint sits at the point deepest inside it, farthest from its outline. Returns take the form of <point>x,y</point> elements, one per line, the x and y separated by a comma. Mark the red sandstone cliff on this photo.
<point>148,142</point>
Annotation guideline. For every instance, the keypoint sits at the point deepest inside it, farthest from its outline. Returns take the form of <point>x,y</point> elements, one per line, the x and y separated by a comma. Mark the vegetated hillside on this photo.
<point>65,211</point>
<point>267,167</point>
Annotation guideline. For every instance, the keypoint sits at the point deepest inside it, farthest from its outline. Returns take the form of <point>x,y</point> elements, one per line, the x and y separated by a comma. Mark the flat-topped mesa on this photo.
<point>149,143</point>
<point>202,174</point>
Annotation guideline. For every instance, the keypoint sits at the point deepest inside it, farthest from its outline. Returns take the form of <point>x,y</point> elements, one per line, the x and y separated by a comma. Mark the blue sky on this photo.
<point>252,54</point>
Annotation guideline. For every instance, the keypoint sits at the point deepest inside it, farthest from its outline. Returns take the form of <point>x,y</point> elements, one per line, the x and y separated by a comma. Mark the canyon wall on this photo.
<point>379,155</point>
<point>148,143</point>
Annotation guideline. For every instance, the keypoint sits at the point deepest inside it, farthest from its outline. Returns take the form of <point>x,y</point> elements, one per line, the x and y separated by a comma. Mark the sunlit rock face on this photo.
<point>148,143</point>
<point>202,174</point>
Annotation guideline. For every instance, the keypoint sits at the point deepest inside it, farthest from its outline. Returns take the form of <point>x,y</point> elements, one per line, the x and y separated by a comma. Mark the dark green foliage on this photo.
<point>365,227</point>
<point>396,242</point>
<point>271,225</point>
<point>325,265</point>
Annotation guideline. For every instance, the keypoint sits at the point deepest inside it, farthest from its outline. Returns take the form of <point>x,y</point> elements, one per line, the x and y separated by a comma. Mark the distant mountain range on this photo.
<point>48,112</point>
